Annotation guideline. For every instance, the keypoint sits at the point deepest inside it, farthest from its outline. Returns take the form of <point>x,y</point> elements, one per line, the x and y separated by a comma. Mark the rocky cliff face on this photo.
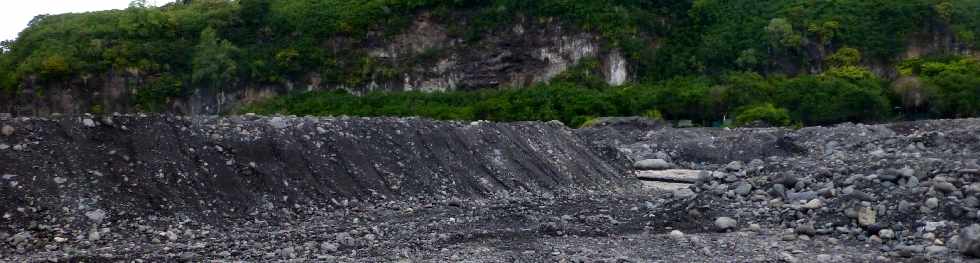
<point>428,56</point>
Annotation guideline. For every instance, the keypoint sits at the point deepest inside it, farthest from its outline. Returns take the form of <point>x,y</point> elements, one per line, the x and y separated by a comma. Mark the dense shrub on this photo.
<point>767,113</point>
<point>699,60</point>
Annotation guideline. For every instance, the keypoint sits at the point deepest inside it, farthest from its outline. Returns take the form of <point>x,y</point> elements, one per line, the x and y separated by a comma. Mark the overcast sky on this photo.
<point>15,14</point>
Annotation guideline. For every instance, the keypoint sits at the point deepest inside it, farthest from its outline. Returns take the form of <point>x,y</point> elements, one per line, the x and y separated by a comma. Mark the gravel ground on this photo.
<point>568,227</point>
<point>904,192</point>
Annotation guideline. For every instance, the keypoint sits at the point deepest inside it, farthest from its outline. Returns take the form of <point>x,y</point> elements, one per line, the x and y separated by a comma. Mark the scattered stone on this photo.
<point>189,257</point>
<point>653,164</point>
<point>813,204</point>
<point>866,216</point>
<point>96,216</point>
<point>945,187</point>
<point>21,237</point>
<point>806,229</point>
<point>909,251</point>
<point>743,189</point>
<point>969,241</point>
<point>905,172</point>
<point>933,226</point>
<point>677,235</point>
<point>329,247</point>
<point>734,166</point>
<point>7,130</point>
<point>88,123</point>
<point>725,223</point>
<point>933,251</point>
<point>801,196</point>
<point>94,235</point>
<point>886,234</point>
<point>932,203</point>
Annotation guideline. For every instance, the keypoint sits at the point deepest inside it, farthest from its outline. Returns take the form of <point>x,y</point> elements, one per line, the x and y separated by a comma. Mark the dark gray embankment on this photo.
<point>73,170</point>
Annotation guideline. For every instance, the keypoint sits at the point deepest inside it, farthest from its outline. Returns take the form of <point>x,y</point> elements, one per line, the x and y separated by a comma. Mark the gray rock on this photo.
<point>329,247</point>
<point>801,196</point>
<point>278,123</point>
<point>909,251</point>
<point>734,166</point>
<point>725,223</point>
<point>653,164</point>
<point>971,202</point>
<point>969,241</point>
<point>190,257</point>
<point>88,123</point>
<point>743,188</point>
<point>7,130</point>
<point>777,190</point>
<point>932,203</point>
<point>933,226</point>
<point>945,187</point>
<point>96,216</point>
<point>94,235</point>
<point>21,237</point>
<point>886,234</point>
<point>936,250</point>
<point>912,182</point>
<point>806,229</point>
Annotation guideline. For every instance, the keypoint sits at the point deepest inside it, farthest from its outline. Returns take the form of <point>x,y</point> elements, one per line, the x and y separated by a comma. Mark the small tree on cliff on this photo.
<point>214,63</point>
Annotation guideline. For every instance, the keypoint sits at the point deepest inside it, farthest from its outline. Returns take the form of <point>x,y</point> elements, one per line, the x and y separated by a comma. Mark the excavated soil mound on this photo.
<point>78,170</point>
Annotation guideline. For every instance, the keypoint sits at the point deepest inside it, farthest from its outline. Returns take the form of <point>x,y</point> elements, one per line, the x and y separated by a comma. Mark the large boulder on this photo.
<point>970,241</point>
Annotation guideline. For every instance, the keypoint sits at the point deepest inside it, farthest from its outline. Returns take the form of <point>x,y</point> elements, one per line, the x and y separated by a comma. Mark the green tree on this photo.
<point>782,35</point>
<point>845,57</point>
<point>766,112</point>
<point>214,60</point>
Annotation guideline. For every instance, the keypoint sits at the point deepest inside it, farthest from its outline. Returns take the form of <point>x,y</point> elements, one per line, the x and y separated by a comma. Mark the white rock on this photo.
<point>7,130</point>
<point>88,123</point>
<point>867,216</point>
<point>96,216</point>
<point>725,223</point>
<point>677,235</point>
<point>813,204</point>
